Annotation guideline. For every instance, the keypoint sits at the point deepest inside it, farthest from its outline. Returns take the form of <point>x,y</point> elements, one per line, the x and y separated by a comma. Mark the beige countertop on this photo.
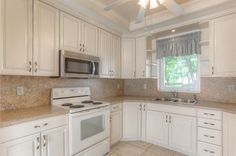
<point>12,117</point>
<point>226,107</point>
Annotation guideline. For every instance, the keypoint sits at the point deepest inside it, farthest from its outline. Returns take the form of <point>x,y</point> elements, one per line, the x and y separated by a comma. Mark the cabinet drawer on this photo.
<point>28,128</point>
<point>116,107</point>
<point>210,136</point>
<point>205,149</point>
<point>210,114</point>
<point>208,123</point>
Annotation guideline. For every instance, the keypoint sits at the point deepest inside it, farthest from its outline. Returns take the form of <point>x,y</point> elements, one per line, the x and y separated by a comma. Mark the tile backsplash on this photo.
<point>212,89</point>
<point>37,90</point>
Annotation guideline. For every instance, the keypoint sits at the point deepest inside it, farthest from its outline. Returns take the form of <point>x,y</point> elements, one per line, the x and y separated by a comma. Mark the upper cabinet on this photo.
<point>224,46</point>
<point>109,53</point>
<point>78,36</point>
<point>128,58</point>
<point>16,37</point>
<point>46,40</point>
<point>141,57</point>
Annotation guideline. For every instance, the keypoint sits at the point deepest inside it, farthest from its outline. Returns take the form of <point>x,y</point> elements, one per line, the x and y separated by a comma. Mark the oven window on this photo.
<point>78,66</point>
<point>92,126</point>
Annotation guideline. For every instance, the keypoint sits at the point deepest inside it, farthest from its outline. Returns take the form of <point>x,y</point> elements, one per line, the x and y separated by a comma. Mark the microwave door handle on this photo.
<point>94,68</point>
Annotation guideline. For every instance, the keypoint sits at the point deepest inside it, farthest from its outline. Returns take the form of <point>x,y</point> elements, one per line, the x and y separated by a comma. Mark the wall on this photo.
<point>212,89</point>
<point>37,89</point>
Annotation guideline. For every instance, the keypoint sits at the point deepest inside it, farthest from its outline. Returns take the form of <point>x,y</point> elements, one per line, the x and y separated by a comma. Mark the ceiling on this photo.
<point>129,10</point>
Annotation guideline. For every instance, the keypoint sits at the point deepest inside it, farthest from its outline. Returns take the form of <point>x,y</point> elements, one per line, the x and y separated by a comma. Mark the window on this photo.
<point>179,73</point>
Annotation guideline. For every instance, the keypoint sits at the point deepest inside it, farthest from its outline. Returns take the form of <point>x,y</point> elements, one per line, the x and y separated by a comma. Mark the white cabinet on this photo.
<point>115,56</point>
<point>109,53</point>
<point>54,142</point>
<point>229,135</point>
<point>45,137</point>
<point>116,123</point>
<point>70,33</point>
<point>182,133</point>
<point>16,37</point>
<point>157,127</point>
<point>78,36</point>
<point>128,58</point>
<point>26,146</point>
<point>46,40</point>
<point>141,57</point>
<point>224,46</point>
<point>90,39</point>
<point>132,121</point>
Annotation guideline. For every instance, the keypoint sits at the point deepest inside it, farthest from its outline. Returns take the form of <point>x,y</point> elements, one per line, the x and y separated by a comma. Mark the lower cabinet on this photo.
<point>46,137</point>
<point>116,123</point>
<point>229,135</point>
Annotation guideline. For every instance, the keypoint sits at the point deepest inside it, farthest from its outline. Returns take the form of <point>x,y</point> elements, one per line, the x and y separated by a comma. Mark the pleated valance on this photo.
<point>187,44</point>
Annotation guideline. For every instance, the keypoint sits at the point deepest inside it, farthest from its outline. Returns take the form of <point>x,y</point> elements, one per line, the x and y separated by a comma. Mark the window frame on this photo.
<point>161,87</point>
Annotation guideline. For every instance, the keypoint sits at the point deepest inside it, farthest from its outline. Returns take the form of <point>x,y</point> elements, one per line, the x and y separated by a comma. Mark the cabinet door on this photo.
<point>229,135</point>
<point>46,40</point>
<point>115,56</point>
<point>131,121</point>
<point>90,39</point>
<point>116,127</point>
<point>141,57</point>
<point>26,146</point>
<point>54,142</point>
<point>70,33</point>
<point>157,127</point>
<point>225,46</point>
<point>104,53</point>
<point>16,37</point>
<point>182,133</point>
<point>128,58</point>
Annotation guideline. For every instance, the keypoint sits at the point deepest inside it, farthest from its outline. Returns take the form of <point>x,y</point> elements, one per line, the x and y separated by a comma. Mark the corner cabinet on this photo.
<point>128,58</point>
<point>17,54</point>
<point>16,37</point>
<point>77,35</point>
<point>224,46</point>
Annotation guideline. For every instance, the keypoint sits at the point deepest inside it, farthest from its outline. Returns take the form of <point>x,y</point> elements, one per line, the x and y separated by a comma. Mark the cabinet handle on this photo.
<point>44,141</point>
<point>38,143</point>
<point>45,124</point>
<point>206,123</point>
<point>30,66</point>
<point>140,107</point>
<point>208,151</point>
<point>36,67</point>
<point>166,118</point>
<point>144,108</point>
<point>209,114</point>
<point>169,119</point>
<point>212,70</point>
<point>208,136</point>
<point>36,126</point>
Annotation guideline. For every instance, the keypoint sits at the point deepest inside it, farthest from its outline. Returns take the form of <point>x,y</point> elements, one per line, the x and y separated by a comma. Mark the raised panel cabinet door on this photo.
<point>104,52</point>
<point>229,135</point>
<point>141,57</point>
<point>224,46</point>
<point>70,33</point>
<point>26,146</point>
<point>54,142</point>
<point>116,127</point>
<point>128,58</point>
<point>46,40</point>
<point>16,37</point>
<point>115,56</point>
<point>157,127</point>
<point>131,121</point>
<point>90,39</point>
<point>182,133</point>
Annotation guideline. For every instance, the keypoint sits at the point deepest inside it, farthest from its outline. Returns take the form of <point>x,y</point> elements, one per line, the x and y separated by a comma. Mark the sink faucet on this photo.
<point>174,94</point>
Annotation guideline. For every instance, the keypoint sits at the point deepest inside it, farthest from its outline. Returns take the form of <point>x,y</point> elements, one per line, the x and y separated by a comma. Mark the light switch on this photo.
<point>20,90</point>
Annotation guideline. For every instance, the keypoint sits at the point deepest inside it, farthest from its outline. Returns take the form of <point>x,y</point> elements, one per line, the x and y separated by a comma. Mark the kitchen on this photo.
<point>117,78</point>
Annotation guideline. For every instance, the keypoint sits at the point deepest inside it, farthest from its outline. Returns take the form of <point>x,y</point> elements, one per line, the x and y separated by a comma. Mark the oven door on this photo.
<point>77,65</point>
<point>89,128</point>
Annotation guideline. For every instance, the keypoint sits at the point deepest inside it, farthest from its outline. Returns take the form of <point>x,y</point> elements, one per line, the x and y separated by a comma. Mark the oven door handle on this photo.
<point>94,69</point>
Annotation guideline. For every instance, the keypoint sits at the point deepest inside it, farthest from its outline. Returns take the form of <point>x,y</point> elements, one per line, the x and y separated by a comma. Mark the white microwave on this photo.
<point>76,65</point>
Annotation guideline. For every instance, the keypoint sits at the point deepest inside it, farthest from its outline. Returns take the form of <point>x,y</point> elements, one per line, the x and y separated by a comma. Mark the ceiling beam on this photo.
<point>115,3</point>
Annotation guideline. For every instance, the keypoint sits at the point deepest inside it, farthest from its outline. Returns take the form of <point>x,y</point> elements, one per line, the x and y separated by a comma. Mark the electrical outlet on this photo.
<point>20,90</point>
<point>145,86</point>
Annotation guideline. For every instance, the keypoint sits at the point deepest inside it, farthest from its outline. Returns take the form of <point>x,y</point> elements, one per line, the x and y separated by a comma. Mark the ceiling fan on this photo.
<point>171,5</point>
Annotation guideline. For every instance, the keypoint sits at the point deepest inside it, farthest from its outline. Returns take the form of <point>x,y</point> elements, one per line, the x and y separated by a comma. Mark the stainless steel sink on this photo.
<point>178,100</point>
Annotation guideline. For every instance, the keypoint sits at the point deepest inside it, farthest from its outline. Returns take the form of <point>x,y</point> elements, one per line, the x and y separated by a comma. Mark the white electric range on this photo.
<point>89,125</point>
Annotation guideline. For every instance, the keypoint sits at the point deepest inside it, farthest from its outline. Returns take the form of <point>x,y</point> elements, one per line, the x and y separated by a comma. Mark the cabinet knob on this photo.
<point>36,67</point>
<point>36,126</point>
<point>38,143</point>
<point>30,66</point>
<point>44,141</point>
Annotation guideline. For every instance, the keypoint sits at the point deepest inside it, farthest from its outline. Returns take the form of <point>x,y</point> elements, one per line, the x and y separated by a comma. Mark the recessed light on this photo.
<point>173,30</point>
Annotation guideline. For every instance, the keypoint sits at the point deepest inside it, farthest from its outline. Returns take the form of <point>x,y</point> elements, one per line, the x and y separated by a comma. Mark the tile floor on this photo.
<point>139,148</point>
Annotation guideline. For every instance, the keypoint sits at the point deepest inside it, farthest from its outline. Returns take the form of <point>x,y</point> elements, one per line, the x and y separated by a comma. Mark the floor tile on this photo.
<point>179,154</point>
<point>129,150</point>
<point>140,144</point>
<point>160,151</point>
